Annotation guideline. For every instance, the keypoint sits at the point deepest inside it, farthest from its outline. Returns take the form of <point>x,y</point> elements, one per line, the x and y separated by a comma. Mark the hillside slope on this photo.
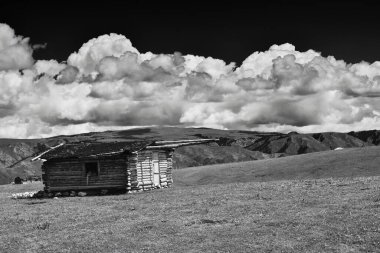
<point>288,144</point>
<point>15,159</point>
<point>233,146</point>
<point>199,155</point>
<point>340,163</point>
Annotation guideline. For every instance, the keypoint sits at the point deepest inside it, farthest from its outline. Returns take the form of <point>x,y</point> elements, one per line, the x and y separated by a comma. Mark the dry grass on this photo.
<point>351,162</point>
<point>325,215</point>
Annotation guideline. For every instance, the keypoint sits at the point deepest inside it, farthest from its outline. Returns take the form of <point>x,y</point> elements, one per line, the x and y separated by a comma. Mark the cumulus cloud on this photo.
<point>15,52</point>
<point>260,63</point>
<point>51,67</point>
<point>92,52</point>
<point>67,75</point>
<point>109,84</point>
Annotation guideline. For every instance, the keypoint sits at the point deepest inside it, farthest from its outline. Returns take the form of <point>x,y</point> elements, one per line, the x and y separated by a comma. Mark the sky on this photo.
<point>273,66</point>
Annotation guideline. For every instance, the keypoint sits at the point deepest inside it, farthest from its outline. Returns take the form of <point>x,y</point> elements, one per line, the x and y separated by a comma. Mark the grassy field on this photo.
<point>319,202</point>
<point>351,162</point>
<point>323,215</point>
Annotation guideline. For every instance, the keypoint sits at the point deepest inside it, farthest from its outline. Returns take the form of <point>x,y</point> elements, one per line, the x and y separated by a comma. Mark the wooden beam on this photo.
<point>84,187</point>
<point>38,157</point>
<point>107,154</point>
<point>170,146</point>
<point>184,141</point>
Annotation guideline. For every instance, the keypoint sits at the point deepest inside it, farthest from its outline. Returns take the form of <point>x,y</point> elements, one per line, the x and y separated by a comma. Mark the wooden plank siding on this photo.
<point>70,174</point>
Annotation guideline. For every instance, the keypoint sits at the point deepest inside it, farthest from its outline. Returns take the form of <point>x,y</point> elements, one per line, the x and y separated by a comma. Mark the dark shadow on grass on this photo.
<point>35,202</point>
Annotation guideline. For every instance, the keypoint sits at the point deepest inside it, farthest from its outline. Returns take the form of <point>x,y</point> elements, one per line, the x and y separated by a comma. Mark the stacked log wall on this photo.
<point>132,181</point>
<point>140,170</point>
<point>144,170</point>
<point>163,168</point>
<point>169,173</point>
<point>66,175</point>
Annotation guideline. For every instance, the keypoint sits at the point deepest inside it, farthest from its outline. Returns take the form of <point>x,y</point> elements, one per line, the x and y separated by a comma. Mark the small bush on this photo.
<point>18,180</point>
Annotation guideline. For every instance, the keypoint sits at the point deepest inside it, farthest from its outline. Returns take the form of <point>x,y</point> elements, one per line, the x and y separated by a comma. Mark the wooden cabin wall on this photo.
<point>68,175</point>
<point>140,169</point>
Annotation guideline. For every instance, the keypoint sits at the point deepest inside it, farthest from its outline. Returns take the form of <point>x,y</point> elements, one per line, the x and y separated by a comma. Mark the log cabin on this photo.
<point>129,166</point>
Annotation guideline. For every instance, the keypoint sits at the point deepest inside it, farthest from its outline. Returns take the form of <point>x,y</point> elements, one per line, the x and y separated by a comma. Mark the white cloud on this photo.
<point>367,70</point>
<point>92,52</point>
<point>260,63</point>
<point>15,53</point>
<point>51,67</point>
<point>109,84</point>
<point>67,75</point>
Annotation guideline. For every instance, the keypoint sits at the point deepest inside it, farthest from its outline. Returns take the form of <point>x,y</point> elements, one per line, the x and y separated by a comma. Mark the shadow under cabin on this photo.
<point>125,166</point>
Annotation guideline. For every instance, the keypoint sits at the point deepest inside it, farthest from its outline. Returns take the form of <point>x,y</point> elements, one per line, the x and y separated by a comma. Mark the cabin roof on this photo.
<point>100,149</point>
<point>88,150</point>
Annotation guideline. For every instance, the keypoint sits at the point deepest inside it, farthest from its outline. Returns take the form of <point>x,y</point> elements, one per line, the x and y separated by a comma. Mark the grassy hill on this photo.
<point>190,156</point>
<point>331,204</point>
<point>15,159</point>
<point>233,146</point>
<point>351,162</point>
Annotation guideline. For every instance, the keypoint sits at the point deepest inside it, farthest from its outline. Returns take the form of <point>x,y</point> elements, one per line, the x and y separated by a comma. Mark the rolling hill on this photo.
<point>322,215</point>
<point>233,146</point>
<point>331,206</point>
<point>339,163</point>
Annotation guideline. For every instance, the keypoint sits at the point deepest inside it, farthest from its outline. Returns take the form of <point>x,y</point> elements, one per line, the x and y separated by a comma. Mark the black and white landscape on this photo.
<point>284,94</point>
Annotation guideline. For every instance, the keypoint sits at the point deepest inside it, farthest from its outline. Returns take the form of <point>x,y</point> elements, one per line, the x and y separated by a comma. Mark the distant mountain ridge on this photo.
<point>233,146</point>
